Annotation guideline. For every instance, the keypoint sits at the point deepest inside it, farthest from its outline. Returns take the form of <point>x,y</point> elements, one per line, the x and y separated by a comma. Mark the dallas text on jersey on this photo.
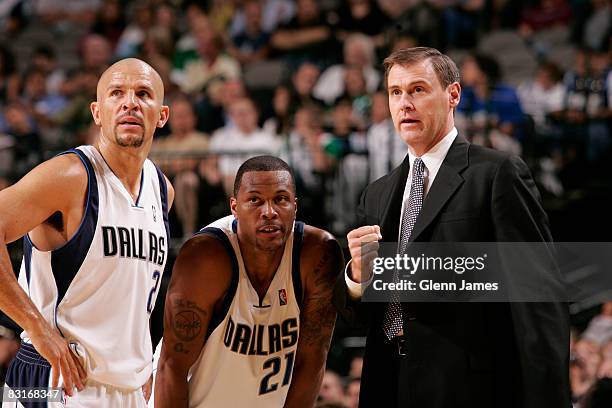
<point>130,243</point>
<point>244,339</point>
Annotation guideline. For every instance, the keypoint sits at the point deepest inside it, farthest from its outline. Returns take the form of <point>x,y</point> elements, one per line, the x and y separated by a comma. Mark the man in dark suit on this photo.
<point>438,355</point>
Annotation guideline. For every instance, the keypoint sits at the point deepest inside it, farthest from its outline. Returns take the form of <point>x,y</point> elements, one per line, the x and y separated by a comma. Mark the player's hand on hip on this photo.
<point>55,349</point>
<point>363,245</point>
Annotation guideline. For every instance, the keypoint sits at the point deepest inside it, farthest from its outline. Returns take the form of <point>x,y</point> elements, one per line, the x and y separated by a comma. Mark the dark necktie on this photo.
<point>392,323</point>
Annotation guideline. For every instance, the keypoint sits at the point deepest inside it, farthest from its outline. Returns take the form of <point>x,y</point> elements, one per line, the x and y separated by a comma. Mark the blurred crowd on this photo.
<point>302,79</point>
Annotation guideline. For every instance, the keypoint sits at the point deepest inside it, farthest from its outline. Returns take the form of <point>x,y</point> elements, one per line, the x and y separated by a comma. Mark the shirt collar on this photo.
<point>435,156</point>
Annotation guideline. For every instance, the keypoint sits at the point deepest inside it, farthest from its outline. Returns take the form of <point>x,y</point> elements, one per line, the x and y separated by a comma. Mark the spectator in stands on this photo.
<point>157,50</point>
<point>274,13</point>
<point>351,393</point>
<point>303,82</point>
<point>211,68</point>
<point>588,104</point>
<point>75,118</point>
<point>386,150</point>
<point>280,121</point>
<point>221,12</point>
<point>544,14</point>
<point>306,37</point>
<point>599,329</point>
<point>461,20</point>
<point>358,52</point>
<point>355,91</point>
<point>241,140</point>
<point>175,153</point>
<point>252,44</point>
<point>361,16</point>
<point>303,151</point>
<point>166,18</point>
<point>212,110</point>
<point>605,369</point>
<point>543,97</point>
<point>331,388</point>
<point>40,104</point>
<point>26,150</point>
<point>347,147</point>
<point>44,59</point>
<point>584,363</point>
<point>489,111</point>
<point>178,156</point>
<point>133,36</point>
<point>9,78</point>
<point>110,21</point>
<point>597,25</point>
<point>96,53</point>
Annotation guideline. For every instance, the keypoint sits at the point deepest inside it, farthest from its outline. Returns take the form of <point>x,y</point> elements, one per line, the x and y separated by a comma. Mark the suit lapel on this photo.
<point>444,186</point>
<point>390,216</point>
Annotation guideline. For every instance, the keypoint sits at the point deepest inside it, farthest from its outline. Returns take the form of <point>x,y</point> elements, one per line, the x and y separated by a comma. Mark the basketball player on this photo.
<point>96,239</point>
<point>248,316</point>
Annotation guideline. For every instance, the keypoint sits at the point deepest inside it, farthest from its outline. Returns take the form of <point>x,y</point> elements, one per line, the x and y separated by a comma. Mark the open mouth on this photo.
<point>269,229</point>
<point>409,121</point>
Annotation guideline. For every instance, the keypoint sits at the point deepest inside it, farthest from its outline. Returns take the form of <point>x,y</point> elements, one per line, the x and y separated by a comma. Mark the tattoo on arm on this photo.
<point>319,314</point>
<point>187,323</point>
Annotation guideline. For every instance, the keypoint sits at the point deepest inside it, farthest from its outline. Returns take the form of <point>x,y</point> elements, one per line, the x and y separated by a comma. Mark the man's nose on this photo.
<point>129,101</point>
<point>406,102</point>
<point>269,211</point>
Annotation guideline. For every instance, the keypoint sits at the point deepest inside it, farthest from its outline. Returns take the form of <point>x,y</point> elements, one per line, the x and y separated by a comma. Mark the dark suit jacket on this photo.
<point>464,354</point>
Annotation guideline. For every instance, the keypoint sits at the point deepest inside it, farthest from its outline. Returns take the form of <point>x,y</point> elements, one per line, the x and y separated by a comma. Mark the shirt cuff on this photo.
<point>354,289</point>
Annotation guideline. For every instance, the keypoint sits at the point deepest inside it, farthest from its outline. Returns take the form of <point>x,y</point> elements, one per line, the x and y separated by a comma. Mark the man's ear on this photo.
<point>233,204</point>
<point>454,94</point>
<point>164,114</point>
<point>95,112</point>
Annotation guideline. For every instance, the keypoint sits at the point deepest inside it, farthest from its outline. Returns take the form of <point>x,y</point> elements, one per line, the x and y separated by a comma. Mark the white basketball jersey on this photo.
<point>100,287</point>
<point>249,354</point>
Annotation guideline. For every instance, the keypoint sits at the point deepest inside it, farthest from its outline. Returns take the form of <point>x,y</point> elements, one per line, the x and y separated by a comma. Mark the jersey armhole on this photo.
<point>217,318</point>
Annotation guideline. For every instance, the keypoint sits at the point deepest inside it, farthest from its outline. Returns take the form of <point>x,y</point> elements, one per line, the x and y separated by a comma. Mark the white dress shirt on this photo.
<point>432,159</point>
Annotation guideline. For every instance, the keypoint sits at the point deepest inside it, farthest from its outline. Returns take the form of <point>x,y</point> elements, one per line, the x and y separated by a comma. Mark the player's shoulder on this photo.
<point>62,176</point>
<point>204,255</point>
<point>320,246</point>
<point>204,248</point>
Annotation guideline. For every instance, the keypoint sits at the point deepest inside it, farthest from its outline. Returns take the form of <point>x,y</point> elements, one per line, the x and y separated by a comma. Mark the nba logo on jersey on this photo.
<point>154,213</point>
<point>282,296</point>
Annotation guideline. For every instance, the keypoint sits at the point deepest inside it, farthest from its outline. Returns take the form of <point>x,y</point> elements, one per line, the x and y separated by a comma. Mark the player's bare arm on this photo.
<point>321,262</point>
<point>200,278</point>
<point>49,203</point>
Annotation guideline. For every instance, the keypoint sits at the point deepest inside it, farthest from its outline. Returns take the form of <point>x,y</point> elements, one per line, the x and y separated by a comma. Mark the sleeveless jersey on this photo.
<point>100,287</point>
<point>249,354</point>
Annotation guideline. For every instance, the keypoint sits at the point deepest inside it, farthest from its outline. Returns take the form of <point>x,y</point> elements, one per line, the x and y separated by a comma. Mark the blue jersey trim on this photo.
<point>67,260</point>
<point>27,257</point>
<point>163,189</point>
<point>217,318</point>
<point>298,238</point>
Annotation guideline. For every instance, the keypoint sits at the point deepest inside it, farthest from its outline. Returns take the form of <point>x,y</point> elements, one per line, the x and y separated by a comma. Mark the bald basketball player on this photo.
<point>95,246</point>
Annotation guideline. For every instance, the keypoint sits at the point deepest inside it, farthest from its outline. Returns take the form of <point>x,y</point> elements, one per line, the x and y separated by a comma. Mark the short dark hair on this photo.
<point>445,67</point>
<point>262,163</point>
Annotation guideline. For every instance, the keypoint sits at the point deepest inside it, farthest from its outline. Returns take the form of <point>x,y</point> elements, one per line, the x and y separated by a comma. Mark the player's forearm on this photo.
<point>13,300</point>
<point>306,383</point>
<point>171,389</point>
